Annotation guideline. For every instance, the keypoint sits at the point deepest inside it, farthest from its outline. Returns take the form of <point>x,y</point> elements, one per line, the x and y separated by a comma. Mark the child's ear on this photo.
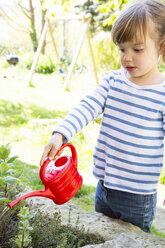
<point>162,47</point>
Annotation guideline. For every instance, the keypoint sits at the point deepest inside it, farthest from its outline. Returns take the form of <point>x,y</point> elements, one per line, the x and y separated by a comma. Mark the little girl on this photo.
<point>128,156</point>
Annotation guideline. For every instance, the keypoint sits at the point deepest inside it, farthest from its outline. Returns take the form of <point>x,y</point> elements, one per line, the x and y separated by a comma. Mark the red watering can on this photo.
<point>60,177</point>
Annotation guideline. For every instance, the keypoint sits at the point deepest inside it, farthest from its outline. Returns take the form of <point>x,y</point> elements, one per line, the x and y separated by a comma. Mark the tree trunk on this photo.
<point>33,33</point>
<point>43,23</point>
<point>65,50</point>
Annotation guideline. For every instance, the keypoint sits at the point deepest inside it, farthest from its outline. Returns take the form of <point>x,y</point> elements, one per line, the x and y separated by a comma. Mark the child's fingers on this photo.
<point>53,151</point>
<point>52,147</point>
<point>44,155</point>
<point>49,153</point>
<point>59,153</point>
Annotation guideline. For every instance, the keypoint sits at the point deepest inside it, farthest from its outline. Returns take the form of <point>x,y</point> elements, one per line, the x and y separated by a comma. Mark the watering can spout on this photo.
<point>46,193</point>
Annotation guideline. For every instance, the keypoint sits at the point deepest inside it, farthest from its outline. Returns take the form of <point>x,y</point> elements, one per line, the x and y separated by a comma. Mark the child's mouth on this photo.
<point>130,68</point>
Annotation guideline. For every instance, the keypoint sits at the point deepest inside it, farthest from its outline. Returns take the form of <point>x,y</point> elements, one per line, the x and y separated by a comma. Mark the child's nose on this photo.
<point>127,56</point>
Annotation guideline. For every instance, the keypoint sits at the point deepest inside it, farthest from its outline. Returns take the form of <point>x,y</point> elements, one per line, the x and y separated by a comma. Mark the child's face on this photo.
<point>139,59</point>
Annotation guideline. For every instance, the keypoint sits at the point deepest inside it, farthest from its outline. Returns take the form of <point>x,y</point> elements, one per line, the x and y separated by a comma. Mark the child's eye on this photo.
<point>138,50</point>
<point>121,50</point>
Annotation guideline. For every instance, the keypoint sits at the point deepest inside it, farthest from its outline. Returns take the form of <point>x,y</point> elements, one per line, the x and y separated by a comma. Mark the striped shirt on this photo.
<point>128,154</point>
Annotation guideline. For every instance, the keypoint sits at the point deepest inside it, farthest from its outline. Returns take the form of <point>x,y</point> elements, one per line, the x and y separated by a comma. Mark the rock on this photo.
<point>128,241</point>
<point>118,234</point>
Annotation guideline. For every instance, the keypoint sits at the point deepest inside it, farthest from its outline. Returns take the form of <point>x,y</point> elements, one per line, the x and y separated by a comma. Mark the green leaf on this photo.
<point>22,217</point>
<point>10,179</point>
<point>24,211</point>
<point>30,215</point>
<point>4,168</point>
<point>26,242</point>
<point>1,181</point>
<point>12,159</point>
<point>4,152</point>
<point>10,171</point>
<point>109,21</point>
<point>29,228</point>
<point>2,199</point>
<point>21,223</point>
<point>18,242</point>
<point>20,236</point>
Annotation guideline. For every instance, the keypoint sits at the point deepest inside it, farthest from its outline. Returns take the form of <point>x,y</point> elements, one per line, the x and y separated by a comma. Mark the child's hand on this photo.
<point>52,147</point>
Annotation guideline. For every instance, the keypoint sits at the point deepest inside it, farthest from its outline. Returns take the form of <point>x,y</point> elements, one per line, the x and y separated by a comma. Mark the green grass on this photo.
<point>29,174</point>
<point>19,114</point>
<point>155,231</point>
<point>85,197</point>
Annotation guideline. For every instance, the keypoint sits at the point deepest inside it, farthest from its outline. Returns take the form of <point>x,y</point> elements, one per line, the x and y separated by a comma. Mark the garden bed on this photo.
<point>40,229</point>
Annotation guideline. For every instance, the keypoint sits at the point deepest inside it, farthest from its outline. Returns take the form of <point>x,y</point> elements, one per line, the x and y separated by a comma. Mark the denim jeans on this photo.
<point>134,208</point>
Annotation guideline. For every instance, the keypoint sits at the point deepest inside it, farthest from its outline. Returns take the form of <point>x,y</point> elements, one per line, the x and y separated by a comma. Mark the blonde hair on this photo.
<point>139,16</point>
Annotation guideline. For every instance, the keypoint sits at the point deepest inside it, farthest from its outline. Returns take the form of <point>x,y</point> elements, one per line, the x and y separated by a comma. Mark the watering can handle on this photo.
<point>47,161</point>
<point>73,150</point>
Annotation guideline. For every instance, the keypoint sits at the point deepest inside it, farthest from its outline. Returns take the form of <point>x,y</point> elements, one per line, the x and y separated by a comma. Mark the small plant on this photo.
<point>66,61</point>
<point>23,238</point>
<point>6,172</point>
<point>49,232</point>
<point>46,64</point>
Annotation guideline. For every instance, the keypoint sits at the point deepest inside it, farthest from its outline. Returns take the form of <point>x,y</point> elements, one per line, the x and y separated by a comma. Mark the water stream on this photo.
<point>5,210</point>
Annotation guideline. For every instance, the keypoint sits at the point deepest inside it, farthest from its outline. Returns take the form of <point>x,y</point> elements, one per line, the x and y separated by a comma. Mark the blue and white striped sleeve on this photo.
<point>163,121</point>
<point>88,109</point>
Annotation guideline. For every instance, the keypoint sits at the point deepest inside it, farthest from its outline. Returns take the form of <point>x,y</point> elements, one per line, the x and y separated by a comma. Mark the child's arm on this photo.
<point>89,108</point>
<point>52,147</point>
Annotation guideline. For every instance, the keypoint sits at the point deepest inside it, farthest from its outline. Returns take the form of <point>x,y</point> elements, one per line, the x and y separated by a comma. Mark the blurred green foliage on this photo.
<point>19,114</point>
<point>46,64</point>
<point>106,52</point>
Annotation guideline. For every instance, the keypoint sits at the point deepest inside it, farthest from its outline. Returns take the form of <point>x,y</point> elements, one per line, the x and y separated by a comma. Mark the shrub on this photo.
<point>46,64</point>
<point>27,60</point>
<point>66,62</point>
